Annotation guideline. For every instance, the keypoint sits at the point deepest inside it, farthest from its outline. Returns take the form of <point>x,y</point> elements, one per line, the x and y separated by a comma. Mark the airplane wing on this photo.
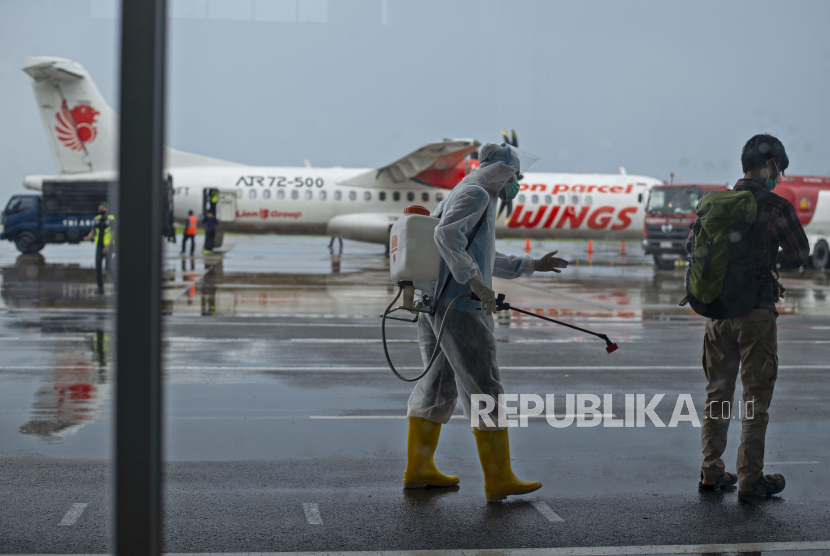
<point>441,155</point>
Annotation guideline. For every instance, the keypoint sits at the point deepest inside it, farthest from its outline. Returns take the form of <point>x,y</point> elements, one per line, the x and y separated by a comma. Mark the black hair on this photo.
<point>189,212</point>
<point>761,148</point>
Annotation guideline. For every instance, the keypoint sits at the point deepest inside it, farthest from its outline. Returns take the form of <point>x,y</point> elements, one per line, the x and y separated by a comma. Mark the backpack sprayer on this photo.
<point>415,265</point>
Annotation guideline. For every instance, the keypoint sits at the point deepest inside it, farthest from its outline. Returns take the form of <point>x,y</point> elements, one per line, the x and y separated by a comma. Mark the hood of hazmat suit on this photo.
<point>467,363</point>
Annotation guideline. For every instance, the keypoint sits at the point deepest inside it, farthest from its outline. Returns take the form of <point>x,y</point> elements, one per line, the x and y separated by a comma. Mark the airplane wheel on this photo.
<point>821,255</point>
<point>26,242</point>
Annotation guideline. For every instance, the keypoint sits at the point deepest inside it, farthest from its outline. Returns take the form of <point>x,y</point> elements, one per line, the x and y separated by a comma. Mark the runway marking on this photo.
<point>73,514</point>
<point>312,514</point>
<point>350,341</point>
<point>637,550</point>
<point>545,510</point>
<point>791,463</point>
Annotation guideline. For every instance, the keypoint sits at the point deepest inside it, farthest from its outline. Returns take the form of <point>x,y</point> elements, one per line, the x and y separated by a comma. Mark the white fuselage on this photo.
<point>304,200</point>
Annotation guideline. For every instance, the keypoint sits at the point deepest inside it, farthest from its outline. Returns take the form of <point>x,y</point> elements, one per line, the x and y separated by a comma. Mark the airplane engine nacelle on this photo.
<point>368,227</point>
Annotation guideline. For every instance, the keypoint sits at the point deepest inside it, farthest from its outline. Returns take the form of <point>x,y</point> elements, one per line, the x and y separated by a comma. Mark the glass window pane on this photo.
<point>425,197</point>
<point>252,194</point>
<point>280,193</point>
<point>396,196</point>
<point>338,195</point>
<point>367,196</point>
<point>322,195</point>
<point>382,195</point>
<point>352,196</point>
<point>410,196</point>
<point>295,194</point>
<point>266,194</point>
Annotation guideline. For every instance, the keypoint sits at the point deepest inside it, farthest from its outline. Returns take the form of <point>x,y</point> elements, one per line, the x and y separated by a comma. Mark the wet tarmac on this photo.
<point>285,430</point>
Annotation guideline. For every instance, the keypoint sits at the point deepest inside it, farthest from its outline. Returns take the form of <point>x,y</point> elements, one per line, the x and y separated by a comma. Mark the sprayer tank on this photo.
<point>413,254</point>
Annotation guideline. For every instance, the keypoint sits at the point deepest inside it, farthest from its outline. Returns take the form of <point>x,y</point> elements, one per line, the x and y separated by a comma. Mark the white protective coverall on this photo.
<point>467,361</point>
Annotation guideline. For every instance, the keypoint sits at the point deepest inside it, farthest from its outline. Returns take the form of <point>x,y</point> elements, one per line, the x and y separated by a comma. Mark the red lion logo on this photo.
<point>263,213</point>
<point>75,127</point>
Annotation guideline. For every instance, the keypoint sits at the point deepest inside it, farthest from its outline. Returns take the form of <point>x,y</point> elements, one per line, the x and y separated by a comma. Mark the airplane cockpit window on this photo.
<point>534,199</point>
<point>352,196</point>
<point>367,196</point>
<point>574,199</point>
<point>295,194</point>
<point>281,194</point>
<point>410,196</point>
<point>338,195</point>
<point>252,194</point>
<point>548,199</point>
<point>522,199</point>
<point>266,194</point>
<point>560,200</point>
<point>425,197</point>
<point>322,195</point>
<point>588,201</point>
<point>382,196</point>
<point>439,196</point>
<point>396,196</point>
<point>308,194</point>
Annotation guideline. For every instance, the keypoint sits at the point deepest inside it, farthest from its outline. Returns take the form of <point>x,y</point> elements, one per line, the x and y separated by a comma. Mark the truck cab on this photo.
<point>670,211</point>
<point>21,223</point>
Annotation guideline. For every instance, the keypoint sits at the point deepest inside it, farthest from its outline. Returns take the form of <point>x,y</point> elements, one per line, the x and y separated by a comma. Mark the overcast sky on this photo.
<point>655,86</point>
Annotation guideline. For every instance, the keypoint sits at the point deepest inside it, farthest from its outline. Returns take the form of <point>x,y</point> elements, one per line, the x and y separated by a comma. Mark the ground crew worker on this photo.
<point>189,232</point>
<point>210,233</point>
<point>749,343</point>
<point>101,234</point>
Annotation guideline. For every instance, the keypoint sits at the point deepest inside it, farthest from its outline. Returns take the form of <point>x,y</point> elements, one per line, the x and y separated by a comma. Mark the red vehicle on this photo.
<point>810,195</point>
<point>669,213</point>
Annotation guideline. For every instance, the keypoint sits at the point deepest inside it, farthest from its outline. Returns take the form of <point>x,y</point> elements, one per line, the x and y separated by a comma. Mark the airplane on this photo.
<point>350,203</point>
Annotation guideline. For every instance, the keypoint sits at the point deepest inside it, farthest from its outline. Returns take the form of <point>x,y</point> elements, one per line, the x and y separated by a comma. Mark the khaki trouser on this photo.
<point>749,343</point>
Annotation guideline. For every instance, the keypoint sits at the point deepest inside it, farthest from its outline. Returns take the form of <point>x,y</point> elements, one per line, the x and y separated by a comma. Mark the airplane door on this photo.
<point>227,206</point>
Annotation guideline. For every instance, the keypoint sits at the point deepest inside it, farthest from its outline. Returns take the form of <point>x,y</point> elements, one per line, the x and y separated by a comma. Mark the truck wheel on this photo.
<point>662,264</point>
<point>821,255</point>
<point>26,242</point>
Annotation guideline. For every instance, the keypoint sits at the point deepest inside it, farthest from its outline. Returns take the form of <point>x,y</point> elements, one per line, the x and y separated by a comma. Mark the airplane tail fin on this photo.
<point>80,125</point>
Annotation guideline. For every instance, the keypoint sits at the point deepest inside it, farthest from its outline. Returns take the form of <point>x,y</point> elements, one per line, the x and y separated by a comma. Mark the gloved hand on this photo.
<point>549,263</point>
<point>781,290</point>
<point>485,294</point>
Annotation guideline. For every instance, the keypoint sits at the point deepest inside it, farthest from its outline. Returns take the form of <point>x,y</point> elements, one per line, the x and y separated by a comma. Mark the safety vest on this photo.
<point>215,198</point>
<point>107,230</point>
<point>191,226</point>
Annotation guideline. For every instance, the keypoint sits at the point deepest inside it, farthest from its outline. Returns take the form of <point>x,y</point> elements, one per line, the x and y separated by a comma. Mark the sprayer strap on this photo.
<point>470,239</point>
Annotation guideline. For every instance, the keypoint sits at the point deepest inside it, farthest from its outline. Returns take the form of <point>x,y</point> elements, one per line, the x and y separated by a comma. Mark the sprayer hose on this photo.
<point>437,342</point>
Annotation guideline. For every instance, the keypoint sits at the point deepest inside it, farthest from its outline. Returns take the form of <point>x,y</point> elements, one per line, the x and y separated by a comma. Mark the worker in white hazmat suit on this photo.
<point>466,365</point>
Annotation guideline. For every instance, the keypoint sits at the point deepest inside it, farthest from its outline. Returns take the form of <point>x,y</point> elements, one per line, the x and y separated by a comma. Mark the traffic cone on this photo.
<point>622,249</point>
<point>590,246</point>
<point>527,245</point>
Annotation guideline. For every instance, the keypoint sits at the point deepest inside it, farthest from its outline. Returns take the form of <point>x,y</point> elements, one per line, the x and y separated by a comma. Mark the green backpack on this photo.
<point>721,281</point>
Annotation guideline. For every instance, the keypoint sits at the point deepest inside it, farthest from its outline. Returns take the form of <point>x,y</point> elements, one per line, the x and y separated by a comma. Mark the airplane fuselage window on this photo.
<point>396,196</point>
<point>308,194</point>
<point>280,193</point>
<point>588,201</point>
<point>266,194</point>
<point>439,197</point>
<point>548,199</point>
<point>352,196</point>
<point>522,199</point>
<point>252,193</point>
<point>338,195</point>
<point>410,196</point>
<point>367,196</point>
<point>425,197</point>
<point>322,195</point>
<point>382,196</point>
<point>560,200</point>
<point>534,199</point>
<point>574,199</point>
<point>295,194</point>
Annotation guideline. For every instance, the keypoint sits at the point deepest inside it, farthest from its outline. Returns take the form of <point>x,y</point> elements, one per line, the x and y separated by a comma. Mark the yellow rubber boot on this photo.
<point>420,446</point>
<point>494,454</point>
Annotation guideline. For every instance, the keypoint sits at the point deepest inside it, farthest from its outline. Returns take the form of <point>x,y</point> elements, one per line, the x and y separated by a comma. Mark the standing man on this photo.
<point>102,236</point>
<point>189,232</point>
<point>466,364</point>
<point>748,342</point>
<point>210,233</point>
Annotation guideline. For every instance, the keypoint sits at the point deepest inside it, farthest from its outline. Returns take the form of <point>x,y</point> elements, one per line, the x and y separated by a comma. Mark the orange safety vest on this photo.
<point>191,226</point>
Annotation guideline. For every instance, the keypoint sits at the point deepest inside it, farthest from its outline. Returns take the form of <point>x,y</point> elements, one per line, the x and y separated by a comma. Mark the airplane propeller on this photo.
<point>513,141</point>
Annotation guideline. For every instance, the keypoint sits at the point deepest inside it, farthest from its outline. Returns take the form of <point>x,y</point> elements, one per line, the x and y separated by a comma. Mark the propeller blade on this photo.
<point>515,139</point>
<point>501,208</point>
<point>506,138</point>
<point>508,205</point>
<point>509,208</point>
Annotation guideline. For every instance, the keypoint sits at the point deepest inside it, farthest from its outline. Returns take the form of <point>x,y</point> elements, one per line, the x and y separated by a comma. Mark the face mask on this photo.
<point>511,189</point>
<point>102,212</point>
<point>771,184</point>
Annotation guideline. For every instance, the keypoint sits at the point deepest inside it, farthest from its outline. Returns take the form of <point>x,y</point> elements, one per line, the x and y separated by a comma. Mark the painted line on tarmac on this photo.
<point>73,514</point>
<point>791,463</point>
<point>312,514</point>
<point>637,550</point>
<point>545,510</point>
